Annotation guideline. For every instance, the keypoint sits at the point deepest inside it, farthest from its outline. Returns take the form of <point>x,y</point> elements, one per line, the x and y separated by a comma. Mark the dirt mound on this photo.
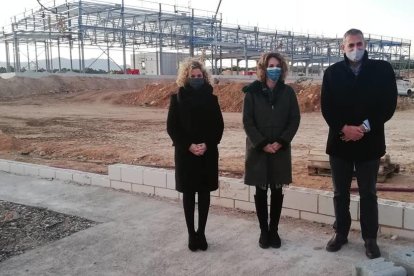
<point>18,86</point>
<point>154,94</point>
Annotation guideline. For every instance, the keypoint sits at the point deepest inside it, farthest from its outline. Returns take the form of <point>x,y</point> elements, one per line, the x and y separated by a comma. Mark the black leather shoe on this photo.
<point>264,239</point>
<point>202,241</point>
<point>192,242</point>
<point>336,242</point>
<point>371,249</point>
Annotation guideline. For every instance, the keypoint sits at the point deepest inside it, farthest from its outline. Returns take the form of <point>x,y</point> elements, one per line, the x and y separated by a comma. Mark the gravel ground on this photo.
<point>25,227</point>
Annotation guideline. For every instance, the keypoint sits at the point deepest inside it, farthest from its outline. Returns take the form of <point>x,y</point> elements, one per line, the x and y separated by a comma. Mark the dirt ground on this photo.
<point>89,123</point>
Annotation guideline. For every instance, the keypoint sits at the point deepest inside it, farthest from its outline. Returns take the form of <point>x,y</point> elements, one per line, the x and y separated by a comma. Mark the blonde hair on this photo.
<point>185,68</point>
<point>264,62</point>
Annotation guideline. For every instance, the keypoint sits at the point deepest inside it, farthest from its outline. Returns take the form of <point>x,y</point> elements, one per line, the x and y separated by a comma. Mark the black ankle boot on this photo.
<point>202,241</point>
<point>192,242</point>
<point>274,239</point>
<point>336,242</point>
<point>264,239</point>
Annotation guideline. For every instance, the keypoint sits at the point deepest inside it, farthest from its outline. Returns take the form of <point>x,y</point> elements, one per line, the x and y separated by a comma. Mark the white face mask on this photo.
<point>356,55</point>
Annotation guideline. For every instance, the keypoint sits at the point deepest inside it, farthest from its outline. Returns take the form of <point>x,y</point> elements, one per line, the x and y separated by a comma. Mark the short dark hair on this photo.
<point>353,32</point>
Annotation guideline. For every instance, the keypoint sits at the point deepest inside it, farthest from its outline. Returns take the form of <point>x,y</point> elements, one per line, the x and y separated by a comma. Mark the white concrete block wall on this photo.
<point>155,177</point>
<point>31,170</point>
<point>139,188</point>
<point>132,174</point>
<point>100,180</point>
<point>162,192</point>
<point>316,217</point>
<point>390,213</point>
<point>301,199</point>
<point>82,178</point>
<point>223,202</point>
<point>409,216</point>
<point>4,165</point>
<point>396,218</point>
<point>17,168</point>
<point>326,207</point>
<point>114,171</point>
<point>286,212</point>
<point>171,180</point>
<point>63,174</point>
<point>47,172</point>
<point>243,205</point>
<point>234,189</point>
<point>118,185</point>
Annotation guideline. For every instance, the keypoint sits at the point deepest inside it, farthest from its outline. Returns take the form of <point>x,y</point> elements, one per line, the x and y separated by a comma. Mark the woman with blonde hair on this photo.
<point>270,118</point>
<point>195,125</point>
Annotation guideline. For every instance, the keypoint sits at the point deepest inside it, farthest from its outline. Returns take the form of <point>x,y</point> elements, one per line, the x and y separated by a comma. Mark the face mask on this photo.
<point>196,83</point>
<point>273,73</point>
<point>356,55</point>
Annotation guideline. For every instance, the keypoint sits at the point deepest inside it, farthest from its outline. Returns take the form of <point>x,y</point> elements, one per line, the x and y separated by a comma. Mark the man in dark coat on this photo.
<point>270,118</point>
<point>195,125</point>
<point>358,96</point>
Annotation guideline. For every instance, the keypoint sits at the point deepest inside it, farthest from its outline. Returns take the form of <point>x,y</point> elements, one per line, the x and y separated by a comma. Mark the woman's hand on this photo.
<point>272,148</point>
<point>198,149</point>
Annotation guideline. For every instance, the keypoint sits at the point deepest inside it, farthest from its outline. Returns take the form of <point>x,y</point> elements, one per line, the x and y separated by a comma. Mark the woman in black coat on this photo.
<point>270,118</point>
<point>195,125</point>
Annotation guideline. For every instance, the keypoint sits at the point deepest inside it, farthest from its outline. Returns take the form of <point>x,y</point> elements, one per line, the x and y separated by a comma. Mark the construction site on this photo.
<point>155,37</point>
<point>85,86</point>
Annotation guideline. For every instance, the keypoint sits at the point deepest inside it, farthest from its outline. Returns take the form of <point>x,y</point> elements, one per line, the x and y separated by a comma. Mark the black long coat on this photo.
<point>195,117</point>
<point>269,116</point>
<point>349,99</point>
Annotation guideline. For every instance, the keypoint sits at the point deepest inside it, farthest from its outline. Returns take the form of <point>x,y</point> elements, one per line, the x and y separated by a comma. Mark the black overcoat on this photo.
<point>347,99</point>
<point>195,117</point>
<point>269,116</point>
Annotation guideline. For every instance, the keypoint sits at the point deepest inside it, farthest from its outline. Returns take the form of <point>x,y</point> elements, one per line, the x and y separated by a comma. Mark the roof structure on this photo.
<point>72,27</point>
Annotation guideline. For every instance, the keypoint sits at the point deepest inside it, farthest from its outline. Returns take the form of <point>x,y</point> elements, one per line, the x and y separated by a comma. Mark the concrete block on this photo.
<point>166,193</point>
<point>223,202</point>
<point>325,205</point>
<point>171,180</point>
<point>244,205</point>
<point>17,168</point>
<point>378,267</point>
<point>317,217</point>
<point>114,172</point>
<point>216,192</point>
<point>286,212</point>
<point>409,217</point>
<point>100,180</point>
<point>132,174</point>
<point>301,199</point>
<point>139,188</point>
<point>234,189</point>
<point>47,172</point>
<point>396,231</point>
<point>404,258</point>
<point>118,185</point>
<point>31,170</point>
<point>82,178</point>
<point>4,165</point>
<point>390,213</point>
<point>155,177</point>
<point>63,174</point>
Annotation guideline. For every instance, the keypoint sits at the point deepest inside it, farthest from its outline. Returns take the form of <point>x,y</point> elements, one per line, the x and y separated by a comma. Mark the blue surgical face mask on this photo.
<point>273,73</point>
<point>196,83</point>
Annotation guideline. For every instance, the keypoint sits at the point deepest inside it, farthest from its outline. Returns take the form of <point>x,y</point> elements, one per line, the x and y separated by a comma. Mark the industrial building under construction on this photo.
<point>83,32</point>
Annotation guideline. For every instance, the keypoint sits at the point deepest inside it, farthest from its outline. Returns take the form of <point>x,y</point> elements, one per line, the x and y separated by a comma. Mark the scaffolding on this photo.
<point>77,28</point>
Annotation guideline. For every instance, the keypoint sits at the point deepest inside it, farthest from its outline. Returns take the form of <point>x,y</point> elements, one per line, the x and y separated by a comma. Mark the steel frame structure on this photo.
<point>78,25</point>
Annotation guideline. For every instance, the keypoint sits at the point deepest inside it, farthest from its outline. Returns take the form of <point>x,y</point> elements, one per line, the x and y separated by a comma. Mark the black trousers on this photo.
<point>366,175</point>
